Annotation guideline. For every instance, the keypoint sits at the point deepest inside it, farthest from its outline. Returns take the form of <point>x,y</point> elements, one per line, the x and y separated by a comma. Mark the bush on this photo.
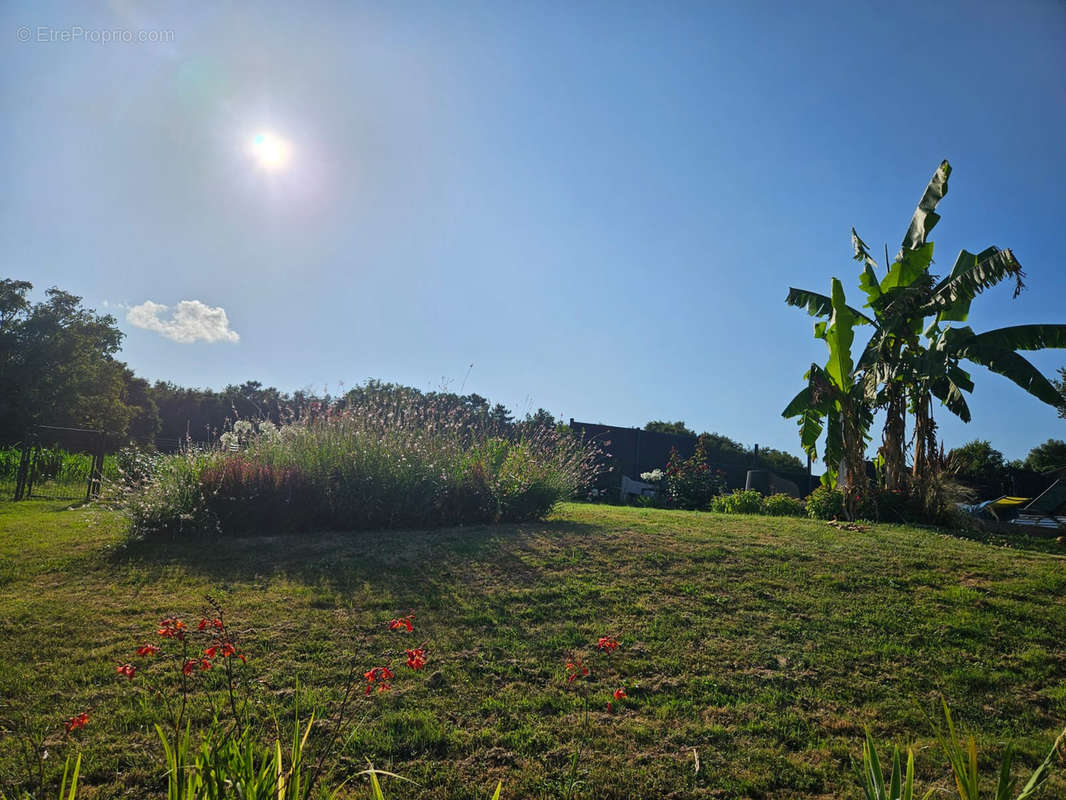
<point>386,463</point>
<point>691,483</point>
<point>783,505</point>
<point>740,501</point>
<point>825,503</point>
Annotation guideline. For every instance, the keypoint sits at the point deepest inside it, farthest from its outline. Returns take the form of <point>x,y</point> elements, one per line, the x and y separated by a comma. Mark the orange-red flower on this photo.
<point>380,676</point>
<point>172,628</point>
<point>214,623</point>
<point>574,667</point>
<point>228,649</point>
<point>79,721</point>
<point>416,659</point>
<point>205,664</point>
<point>619,694</point>
<point>210,651</point>
<point>608,643</point>
<point>147,650</point>
<point>128,670</point>
<point>188,667</point>
<point>402,623</point>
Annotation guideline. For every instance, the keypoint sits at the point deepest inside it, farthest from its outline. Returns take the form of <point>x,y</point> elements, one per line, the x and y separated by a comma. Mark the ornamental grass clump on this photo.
<point>386,462</point>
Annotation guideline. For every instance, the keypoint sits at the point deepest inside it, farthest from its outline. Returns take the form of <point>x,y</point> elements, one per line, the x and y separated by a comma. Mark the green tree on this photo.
<point>677,428</point>
<point>57,367</point>
<point>980,466</point>
<point>1049,455</point>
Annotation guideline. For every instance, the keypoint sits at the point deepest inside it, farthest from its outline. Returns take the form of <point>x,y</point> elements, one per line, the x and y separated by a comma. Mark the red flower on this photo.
<point>575,668</point>
<point>128,670</point>
<point>172,629</point>
<point>416,659</point>
<point>189,666</point>
<point>608,643</point>
<point>147,650</point>
<point>228,650</point>
<point>80,721</point>
<point>210,651</point>
<point>214,623</point>
<point>619,694</point>
<point>401,623</point>
<point>205,664</point>
<point>380,676</point>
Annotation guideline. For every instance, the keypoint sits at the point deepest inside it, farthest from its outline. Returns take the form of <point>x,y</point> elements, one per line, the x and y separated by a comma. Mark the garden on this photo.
<point>752,654</point>
<point>395,594</point>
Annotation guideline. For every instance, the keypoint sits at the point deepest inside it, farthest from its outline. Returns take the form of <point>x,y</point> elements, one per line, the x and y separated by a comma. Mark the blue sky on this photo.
<point>600,206</point>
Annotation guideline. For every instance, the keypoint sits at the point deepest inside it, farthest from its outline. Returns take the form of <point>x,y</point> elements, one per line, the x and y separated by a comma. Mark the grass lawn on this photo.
<point>764,645</point>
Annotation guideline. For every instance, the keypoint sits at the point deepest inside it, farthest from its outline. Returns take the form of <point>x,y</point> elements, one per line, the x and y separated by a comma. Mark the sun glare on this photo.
<point>270,150</point>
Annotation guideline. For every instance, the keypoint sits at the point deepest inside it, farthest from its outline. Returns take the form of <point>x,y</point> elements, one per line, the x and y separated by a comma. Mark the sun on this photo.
<point>270,151</point>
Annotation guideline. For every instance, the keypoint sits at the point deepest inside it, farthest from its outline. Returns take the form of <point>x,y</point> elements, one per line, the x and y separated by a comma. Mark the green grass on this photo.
<point>765,644</point>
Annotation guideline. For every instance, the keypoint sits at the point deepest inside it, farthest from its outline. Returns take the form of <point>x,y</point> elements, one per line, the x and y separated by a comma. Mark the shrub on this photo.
<point>825,503</point>
<point>740,501</point>
<point>783,505</point>
<point>692,482</point>
<point>385,463</point>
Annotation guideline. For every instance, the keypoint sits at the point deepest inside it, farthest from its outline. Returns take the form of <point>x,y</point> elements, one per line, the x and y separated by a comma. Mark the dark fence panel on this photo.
<point>632,451</point>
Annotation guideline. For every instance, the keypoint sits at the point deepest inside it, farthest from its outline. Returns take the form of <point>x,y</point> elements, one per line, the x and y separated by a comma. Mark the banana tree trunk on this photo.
<point>855,484</point>
<point>925,462</point>
<point>892,439</point>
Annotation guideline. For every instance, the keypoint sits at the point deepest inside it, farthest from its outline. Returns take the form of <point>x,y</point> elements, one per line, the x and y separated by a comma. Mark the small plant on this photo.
<point>825,503</point>
<point>740,501</point>
<point>783,505</point>
<point>963,758</point>
<point>580,679</point>
<point>690,483</point>
<point>900,786</point>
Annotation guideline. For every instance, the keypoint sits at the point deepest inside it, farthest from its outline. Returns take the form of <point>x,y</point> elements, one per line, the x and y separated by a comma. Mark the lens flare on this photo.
<point>270,150</point>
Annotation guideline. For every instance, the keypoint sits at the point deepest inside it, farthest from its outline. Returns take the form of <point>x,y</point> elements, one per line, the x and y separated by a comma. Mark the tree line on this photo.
<point>721,449</point>
<point>58,367</point>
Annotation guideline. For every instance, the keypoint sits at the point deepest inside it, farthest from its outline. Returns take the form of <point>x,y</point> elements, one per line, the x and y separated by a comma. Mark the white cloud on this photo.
<point>192,321</point>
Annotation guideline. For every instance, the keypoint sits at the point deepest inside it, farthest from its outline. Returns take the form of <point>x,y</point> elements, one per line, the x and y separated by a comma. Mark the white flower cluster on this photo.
<point>244,430</point>
<point>654,476</point>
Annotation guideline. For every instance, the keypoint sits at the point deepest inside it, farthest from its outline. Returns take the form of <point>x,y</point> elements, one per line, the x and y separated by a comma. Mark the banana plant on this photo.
<point>834,400</point>
<point>905,363</point>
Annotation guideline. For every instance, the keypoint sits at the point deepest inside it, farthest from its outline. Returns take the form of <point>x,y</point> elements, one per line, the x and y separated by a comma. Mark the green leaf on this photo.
<point>970,276</point>
<point>910,265</point>
<point>1040,774</point>
<point>950,394</point>
<point>1014,367</point>
<point>805,407</point>
<point>799,404</point>
<point>925,216</point>
<point>834,443</point>
<point>819,305</point>
<point>1005,785</point>
<point>1024,337</point>
<point>839,335</point>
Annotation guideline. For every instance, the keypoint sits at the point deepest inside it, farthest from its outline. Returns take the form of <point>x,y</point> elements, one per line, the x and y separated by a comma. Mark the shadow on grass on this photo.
<point>344,561</point>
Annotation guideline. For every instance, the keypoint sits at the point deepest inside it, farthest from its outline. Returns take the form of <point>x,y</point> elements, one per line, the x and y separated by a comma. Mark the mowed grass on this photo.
<point>764,645</point>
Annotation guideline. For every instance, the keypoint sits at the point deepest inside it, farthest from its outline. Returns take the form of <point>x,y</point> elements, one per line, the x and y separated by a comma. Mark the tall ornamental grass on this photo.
<point>389,462</point>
